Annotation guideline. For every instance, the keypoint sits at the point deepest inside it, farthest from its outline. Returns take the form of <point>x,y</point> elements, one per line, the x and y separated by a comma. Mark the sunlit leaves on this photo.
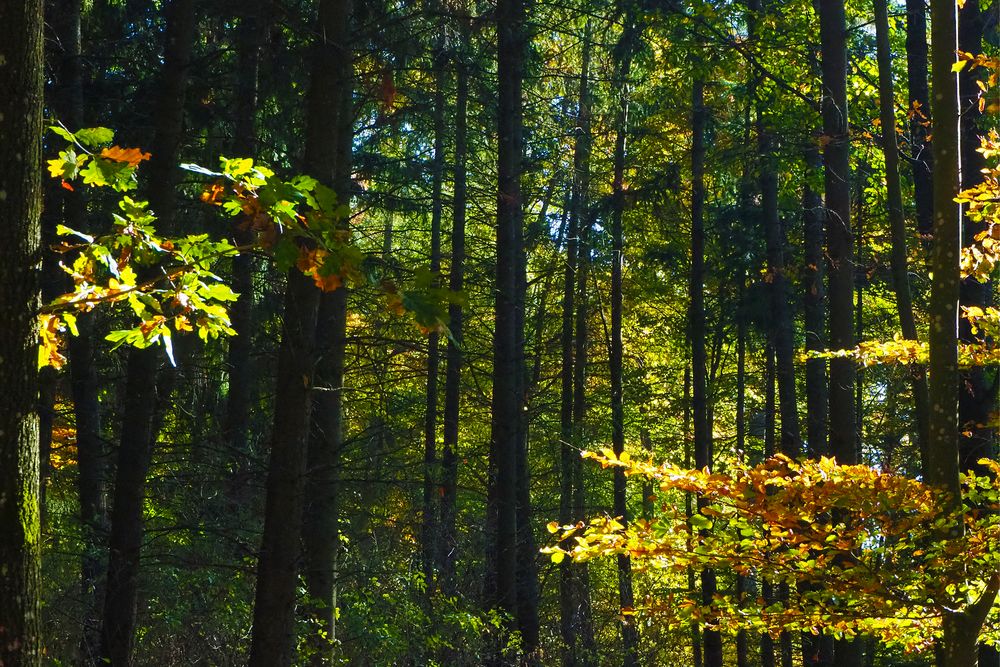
<point>862,551</point>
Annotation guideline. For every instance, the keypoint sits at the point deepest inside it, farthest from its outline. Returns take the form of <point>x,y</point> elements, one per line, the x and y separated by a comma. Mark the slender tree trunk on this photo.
<point>699,403</point>
<point>897,223</point>
<point>505,429</point>
<point>840,254</point>
<point>244,142</point>
<point>814,314</point>
<point>742,581</point>
<point>626,599</point>
<point>921,154</point>
<point>273,635</point>
<point>453,373</point>
<point>429,525</point>
<point>139,419</point>
<point>331,130</point>
<point>959,643</point>
<point>781,330</point>
<point>68,106</point>
<point>20,209</point>
<point>574,593</point>
<point>770,440</point>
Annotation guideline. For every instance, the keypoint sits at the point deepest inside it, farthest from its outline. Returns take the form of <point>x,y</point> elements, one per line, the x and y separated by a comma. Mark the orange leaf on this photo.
<point>132,156</point>
<point>67,186</point>
<point>328,283</point>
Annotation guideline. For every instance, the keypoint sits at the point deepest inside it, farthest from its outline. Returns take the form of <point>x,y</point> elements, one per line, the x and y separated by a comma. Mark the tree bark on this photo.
<point>921,153</point>
<point>139,425</point>
<point>328,155</point>
<point>244,142</point>
<point>429,523</point>
<point>273,635</point>
<point>505,427</point>
<point>453,373</point>
<point>699,402</point>
<point>897,224</point>
<point>814,307</point>
<point>20,209</point>
<point>626,598</point>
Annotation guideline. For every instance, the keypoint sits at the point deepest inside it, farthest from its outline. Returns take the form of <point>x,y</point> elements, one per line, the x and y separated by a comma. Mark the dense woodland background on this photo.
<point>691,196</point>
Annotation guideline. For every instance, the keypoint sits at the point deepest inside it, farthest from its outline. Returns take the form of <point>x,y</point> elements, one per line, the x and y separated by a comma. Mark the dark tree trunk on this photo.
<point>840,248</point>
<point>273,637</point>
<point>429,524</point>
<point>453,373</point>
<point>68,105</point>
<point>20,208</point>
<point>505,429</point>
<point>573,590</point>
<point>814,307</point>
<point>897,223</point>
<point>244,142</point>
<point>921,154</point>
<point>328,155</point>
<point>626,599</point>
<point>781,330</point>
<point>139,425</point>
<point>699,402</point>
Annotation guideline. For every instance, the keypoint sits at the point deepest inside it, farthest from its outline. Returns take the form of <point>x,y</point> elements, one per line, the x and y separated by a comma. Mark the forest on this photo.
<point>499,332</point>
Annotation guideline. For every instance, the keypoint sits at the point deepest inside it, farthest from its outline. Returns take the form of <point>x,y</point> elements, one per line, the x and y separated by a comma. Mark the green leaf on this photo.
<point>62,132</point>
<point>95,137</point>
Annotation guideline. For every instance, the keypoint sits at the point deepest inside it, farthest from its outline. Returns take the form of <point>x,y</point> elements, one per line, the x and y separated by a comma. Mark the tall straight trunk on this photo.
<point>781,329</point>
<point>429,529</point>
<point>897,223</point>
<point>273,634</point>
<point>526,566</point>
<point>696,640</point>
<point>839,240</point>
<point>583,621</point>
<point>742,581</point>
<point>244,142</point>
<point>960,630</point>
<point>505,429</point>
<point>453,373</point>
<point>626,598</point>
<point>843,445</point>
<point>68,105</point>
<point>976,399</point>
<point>139,418</point>
<point>921,153</point>
<point>814,313</point>
<point>770,439</point>
<point>20,209</point>
<point>816,650</point>
<point>331,105</point>
<point>574,596</point>
<point>699,362</point>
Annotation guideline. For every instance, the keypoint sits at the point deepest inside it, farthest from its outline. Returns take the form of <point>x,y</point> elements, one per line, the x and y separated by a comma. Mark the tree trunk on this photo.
<point>328,155</point>
<point>814,314</point>
<point>273,635</point>
<point>20,208</point>
<point>626,599</point>
<point>453,373</point>
<point>244,142</point>
<point>699,402</point>
<point>505,429</point>
<point>897,224</point>
<point>429,524</point>
<point>139,425</point>
<point>921,154</point>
